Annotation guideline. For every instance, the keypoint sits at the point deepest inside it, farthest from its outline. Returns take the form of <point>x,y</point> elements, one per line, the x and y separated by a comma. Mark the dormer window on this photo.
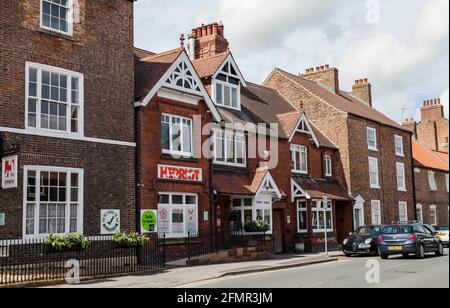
<point>227,87</point>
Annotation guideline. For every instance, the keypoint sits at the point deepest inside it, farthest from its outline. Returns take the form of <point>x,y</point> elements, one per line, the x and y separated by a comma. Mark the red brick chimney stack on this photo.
<point>326,76</point>
<point>432,110</point>
<point>411,125</point>
<point>207,41</point>
<point>362,89</point>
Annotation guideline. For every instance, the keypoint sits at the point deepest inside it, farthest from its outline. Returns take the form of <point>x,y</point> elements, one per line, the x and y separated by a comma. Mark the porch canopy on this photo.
<point>303,187</point>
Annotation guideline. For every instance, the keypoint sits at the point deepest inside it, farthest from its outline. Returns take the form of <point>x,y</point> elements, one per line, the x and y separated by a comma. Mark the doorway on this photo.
<point>278,231</point>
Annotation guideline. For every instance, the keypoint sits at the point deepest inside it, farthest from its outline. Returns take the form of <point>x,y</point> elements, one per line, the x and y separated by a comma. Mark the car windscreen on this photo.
<point>367,231</point>
<point>398,230</point>
<point>441,228</point>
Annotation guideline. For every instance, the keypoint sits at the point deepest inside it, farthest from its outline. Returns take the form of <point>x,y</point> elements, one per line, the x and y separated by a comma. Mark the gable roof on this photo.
<point>343,101</point>
<point>140,53</point>
<point>207,67</point>
<point>289,123</point>
<point>425,158</point>
<point>168,69</point>
<point>319,188</point>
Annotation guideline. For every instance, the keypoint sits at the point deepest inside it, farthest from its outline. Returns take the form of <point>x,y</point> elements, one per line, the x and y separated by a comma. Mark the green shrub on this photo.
<point>130,239</point>
<point>62,242</point>
<point>257,226</point>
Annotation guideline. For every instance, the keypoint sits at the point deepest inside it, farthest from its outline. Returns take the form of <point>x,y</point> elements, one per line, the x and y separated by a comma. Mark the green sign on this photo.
<point>149,221</point>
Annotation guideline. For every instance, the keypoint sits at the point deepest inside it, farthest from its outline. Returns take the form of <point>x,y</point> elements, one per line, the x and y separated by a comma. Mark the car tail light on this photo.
<point>380,239</point>
<point>412,237</point>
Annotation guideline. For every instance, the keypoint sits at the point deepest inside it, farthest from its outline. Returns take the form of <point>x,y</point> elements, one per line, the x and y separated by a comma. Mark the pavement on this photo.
<point>180,276</point>
<point>397,272</point>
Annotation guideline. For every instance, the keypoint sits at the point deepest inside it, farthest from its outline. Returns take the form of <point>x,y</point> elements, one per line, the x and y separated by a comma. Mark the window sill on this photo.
<point>402,190</point>
<point>375,187</point>
<point>167,156</point>
<point>225,165</point>
<point>57,34</point>
<point>373,149</point>
<point>400,155</point>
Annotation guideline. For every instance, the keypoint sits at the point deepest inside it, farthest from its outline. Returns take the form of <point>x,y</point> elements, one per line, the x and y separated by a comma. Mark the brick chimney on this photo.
<point>411,125</point>
<point>207,41</point>
<point>326,76</point>
<point>362,89</point>
<point>432,110</point>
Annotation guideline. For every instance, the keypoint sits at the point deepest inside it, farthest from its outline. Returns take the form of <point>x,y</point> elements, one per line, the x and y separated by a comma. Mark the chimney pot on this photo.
<point>204,31</point>
<point>327,66</point>
<point>209,30</point>
<point>215,29</point>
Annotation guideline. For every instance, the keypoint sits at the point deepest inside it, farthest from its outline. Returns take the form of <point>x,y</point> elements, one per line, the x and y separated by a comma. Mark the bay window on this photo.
<point>229,148</point>
<point>177,214</point>
<point>57,15</point>
<point>176,135</point>
<point>302,217</point>
<point>322,216</point>
<point>53,201</point>
<point>54,99</point>
<point>299,159</point>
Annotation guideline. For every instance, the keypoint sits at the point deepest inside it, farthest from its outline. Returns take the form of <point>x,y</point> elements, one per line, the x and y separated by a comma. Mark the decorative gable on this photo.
<point>297,191</point>
<point>304,126</point>
<point>182,78</point>
<point>268,185</point>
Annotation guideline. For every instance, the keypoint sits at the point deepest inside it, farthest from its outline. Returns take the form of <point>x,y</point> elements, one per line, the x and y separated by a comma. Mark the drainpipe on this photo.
<point>413,180</point>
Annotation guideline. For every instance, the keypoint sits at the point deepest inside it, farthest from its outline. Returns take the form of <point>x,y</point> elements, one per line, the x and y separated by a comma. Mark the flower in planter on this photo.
<point>64,242</point>
<point>257,226</point>
<point>130,239</point>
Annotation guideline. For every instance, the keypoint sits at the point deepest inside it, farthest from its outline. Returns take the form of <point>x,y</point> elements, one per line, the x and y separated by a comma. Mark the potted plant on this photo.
<point>130,239</point>
<point>66,242</point>
<point>257,226</point>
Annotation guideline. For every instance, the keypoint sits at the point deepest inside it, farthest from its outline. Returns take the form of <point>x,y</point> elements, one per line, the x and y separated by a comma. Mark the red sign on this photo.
<point>179,173</point>
<point>9,172</point>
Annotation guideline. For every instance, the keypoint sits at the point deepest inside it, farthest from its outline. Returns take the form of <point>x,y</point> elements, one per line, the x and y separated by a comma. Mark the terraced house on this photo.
<point>375,152</point>
<point>66,117</point>
<point>236,183</point>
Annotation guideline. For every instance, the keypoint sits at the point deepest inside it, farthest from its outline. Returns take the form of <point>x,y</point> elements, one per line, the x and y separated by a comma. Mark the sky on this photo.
<point>401,46</point>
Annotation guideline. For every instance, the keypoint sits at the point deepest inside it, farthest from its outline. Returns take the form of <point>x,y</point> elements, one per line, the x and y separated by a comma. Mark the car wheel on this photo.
<point>440,251</point>
<point>384,256</point>
<point>405,255</point>
<point>420,253</point>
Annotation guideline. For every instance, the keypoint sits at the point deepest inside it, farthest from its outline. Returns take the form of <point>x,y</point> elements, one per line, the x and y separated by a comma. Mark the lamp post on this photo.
<point>325,205</point>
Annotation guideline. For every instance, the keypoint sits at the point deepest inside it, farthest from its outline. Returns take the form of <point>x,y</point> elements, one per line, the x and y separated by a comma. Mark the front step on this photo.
<point>230,256</point>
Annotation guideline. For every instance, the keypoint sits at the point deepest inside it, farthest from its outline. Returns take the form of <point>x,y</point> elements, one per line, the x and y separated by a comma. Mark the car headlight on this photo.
<point>368,241</point>
<point>345,241</point>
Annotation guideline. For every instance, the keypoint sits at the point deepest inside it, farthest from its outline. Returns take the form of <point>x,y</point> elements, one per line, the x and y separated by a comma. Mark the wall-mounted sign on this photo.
<point>9,172</point>
<point>205,216</point>
<point>2,219</point>
<point>263,200</point>
<point>149,221</point>
<point>110,222</point>
<point>179,173</point>
<point>191,220</point>
<point>163,219</point>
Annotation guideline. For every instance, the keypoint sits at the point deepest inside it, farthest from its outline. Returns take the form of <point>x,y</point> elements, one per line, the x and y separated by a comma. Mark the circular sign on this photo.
<point>110,221</point>
<point>148,221</point>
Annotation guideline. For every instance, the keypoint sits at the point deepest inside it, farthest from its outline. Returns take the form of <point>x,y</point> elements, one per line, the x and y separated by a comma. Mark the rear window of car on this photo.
<point>441,228</point>
<point>368,231</point>
<point>398,230</point>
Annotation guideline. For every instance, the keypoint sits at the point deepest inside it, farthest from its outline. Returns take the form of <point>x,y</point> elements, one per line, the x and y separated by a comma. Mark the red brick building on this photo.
<point>374,151</point>
<point>66,119</point>
<point>281,182</point>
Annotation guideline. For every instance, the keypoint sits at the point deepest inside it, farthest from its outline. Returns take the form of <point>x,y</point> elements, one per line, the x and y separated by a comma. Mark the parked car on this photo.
<point>406,239</point>
<point>364,241</point>
<point>442,232</point>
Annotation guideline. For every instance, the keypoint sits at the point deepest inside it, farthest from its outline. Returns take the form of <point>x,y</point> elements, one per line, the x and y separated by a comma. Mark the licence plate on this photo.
<point>442,235</point>
<point>395,248</point>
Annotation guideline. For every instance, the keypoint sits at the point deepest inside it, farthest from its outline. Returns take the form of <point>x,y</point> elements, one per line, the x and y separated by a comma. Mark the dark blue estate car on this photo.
<point>406,239</point>
<point>364,241</point>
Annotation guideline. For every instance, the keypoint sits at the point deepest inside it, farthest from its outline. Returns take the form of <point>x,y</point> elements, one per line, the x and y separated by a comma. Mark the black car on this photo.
<point>406,239</point>
<point>364,241</point>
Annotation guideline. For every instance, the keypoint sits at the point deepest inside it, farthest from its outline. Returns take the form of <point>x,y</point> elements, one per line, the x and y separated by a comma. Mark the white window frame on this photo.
<point>420,213</point>
<point>238,139</point>
<point>399,146</point>
<point>328,164</point>
<point>216,82</point>
<point>358,207</point>
<point>317,209</point>
<point>373,173</point>
<point>69,103</point>
<point>301,209</point>
<point>254,208</point>
<point>375,141</point>
<point>185,207</point>
<point>301,149</point>
<point>401,177</point>
<point>171,151</point>
<point>375,211</point>
<point>447,178</point>
<point>403,211</point>
<point>433,209</point>
<point>432,181</point>
<point>70,18</point>
<point>80,202</point>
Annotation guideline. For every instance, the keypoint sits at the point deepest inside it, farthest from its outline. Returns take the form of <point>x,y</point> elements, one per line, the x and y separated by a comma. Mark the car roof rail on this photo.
<point>406,222</point>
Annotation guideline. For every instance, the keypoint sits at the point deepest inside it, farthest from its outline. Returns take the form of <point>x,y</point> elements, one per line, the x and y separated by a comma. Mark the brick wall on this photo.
<point>101,49</point>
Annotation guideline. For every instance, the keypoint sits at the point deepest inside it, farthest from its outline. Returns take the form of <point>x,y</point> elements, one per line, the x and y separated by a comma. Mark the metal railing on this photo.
<point>31,261</point>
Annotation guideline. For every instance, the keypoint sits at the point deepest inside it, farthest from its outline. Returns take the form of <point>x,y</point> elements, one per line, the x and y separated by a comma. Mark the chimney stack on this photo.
<point>411,125</point>
<point>362,89</point>
<point>326,76</point>
<point>207,41</point>
<point>432,110</point>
